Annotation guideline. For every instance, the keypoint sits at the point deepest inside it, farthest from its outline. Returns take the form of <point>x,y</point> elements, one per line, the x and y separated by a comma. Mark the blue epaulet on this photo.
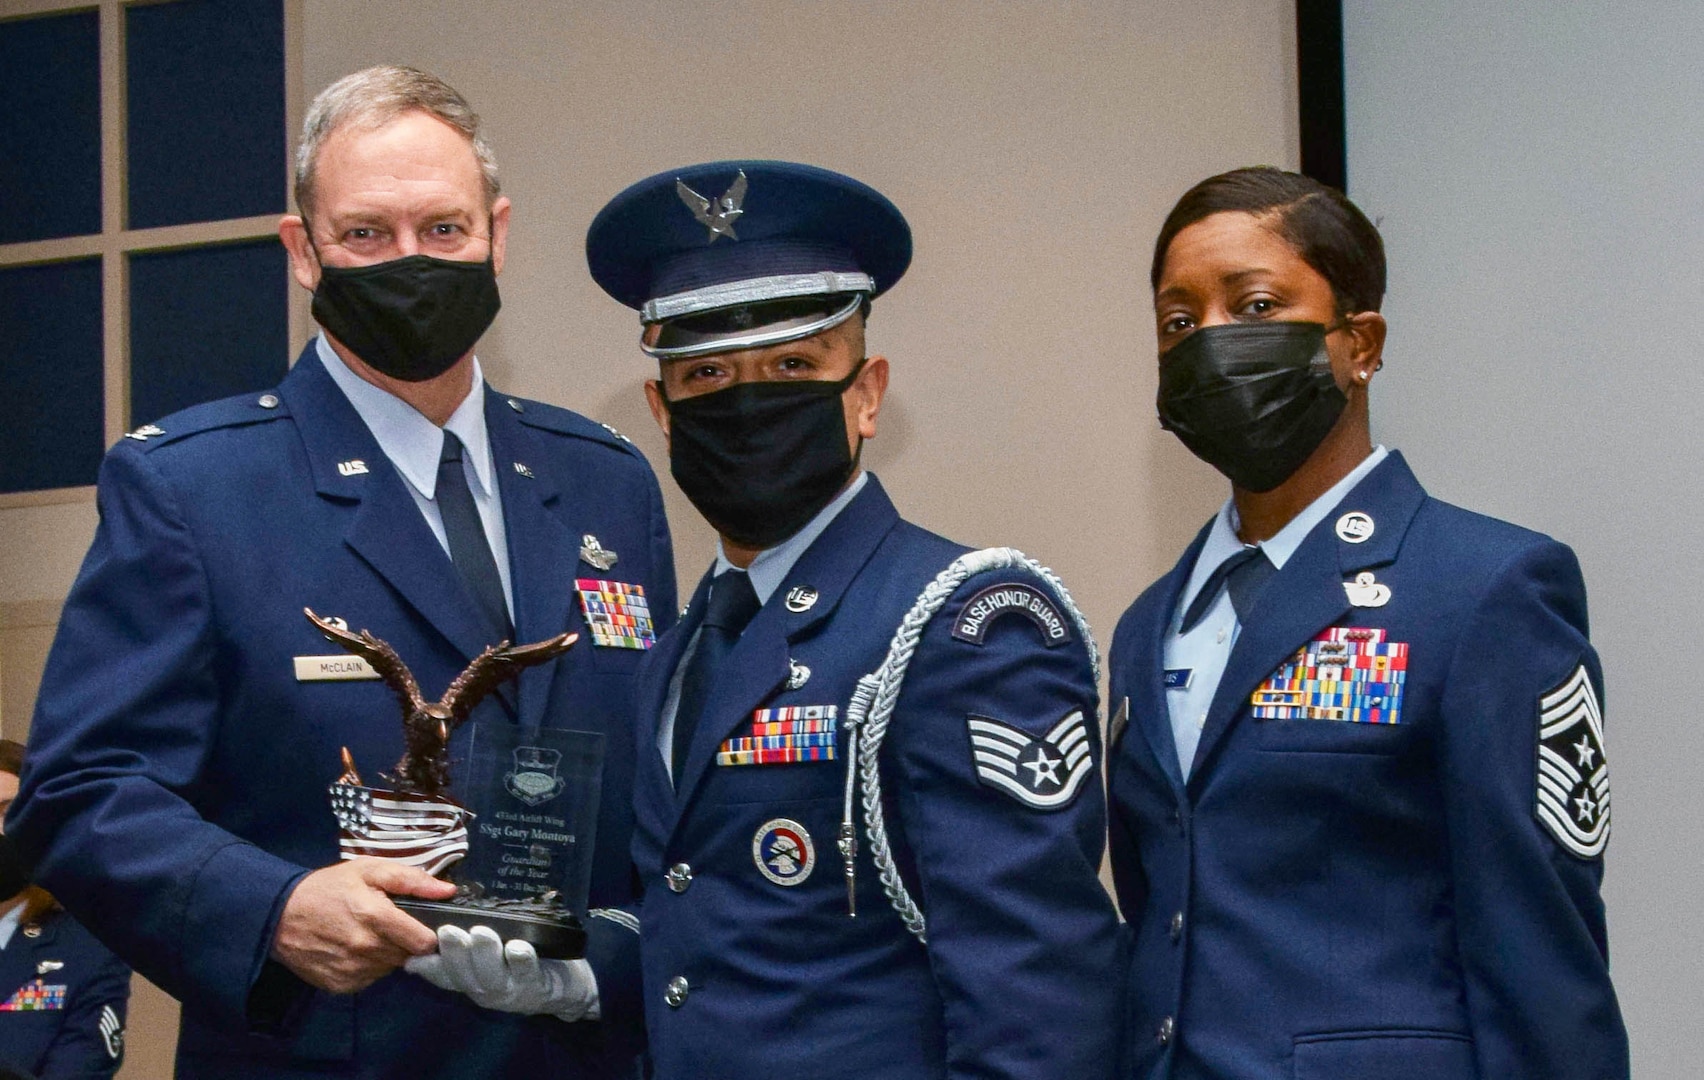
<point>560,421</point>
<point>244,409</point>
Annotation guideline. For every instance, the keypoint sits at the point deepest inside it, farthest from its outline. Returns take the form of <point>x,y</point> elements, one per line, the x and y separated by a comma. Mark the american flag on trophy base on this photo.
<point>428,831</point>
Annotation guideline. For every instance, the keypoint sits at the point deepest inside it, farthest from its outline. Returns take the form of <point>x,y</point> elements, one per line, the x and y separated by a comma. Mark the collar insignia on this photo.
<point>718,216</point>
<point>355,467</point>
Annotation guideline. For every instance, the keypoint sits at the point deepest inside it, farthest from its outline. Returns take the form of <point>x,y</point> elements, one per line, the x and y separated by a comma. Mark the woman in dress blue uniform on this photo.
<point>62,994</point>
<point>1358,787</point>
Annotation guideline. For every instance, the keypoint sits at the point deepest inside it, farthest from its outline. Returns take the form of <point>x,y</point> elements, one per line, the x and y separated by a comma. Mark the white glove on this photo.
<point>508,978</point>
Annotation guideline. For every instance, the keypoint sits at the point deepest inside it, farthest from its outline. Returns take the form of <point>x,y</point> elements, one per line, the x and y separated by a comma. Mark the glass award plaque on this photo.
<point>513,827</point>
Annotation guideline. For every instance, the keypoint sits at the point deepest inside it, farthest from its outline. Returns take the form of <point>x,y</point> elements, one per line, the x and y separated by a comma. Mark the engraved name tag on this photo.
<point>328,668</point>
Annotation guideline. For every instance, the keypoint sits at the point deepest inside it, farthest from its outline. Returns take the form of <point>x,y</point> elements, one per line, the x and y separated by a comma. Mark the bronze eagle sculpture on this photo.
<point>426,726</point>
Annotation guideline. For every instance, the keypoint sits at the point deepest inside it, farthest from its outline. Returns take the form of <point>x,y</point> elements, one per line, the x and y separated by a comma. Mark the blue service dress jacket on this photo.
<point>1365,875</point>
<point>62,1001</point>
<point>178,774</point>
<point>753,966</point>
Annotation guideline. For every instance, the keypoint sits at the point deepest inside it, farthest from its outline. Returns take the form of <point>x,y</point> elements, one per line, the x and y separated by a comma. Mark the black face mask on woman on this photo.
<point>760,459</point>
<point>410,318</point>
<point>1253,400</point>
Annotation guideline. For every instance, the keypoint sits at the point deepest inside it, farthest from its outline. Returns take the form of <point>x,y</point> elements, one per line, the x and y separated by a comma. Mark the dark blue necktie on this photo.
<point>732,604</point>
<point>469,550</point>
<point>1242,575</point>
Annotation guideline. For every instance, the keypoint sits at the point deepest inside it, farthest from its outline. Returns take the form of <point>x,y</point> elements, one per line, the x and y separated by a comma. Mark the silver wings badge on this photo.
<point>718,216</point>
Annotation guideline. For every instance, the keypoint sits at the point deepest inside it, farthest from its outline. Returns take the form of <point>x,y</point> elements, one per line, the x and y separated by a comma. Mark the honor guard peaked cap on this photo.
<point>742,254</point>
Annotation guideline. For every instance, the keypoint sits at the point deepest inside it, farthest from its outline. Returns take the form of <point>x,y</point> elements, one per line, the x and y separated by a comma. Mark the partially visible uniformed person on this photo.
<point>916,897</point>
<point>63,995</point>
<point>189,724</point>
<point>1359,796</point>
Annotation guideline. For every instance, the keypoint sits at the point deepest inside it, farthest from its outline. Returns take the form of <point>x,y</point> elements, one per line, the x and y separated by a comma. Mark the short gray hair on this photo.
<point>376,96</point>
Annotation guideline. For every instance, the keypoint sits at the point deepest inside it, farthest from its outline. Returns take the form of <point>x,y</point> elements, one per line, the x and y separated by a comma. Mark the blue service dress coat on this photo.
<point>177,783</point>
<point>1364,875</point>
<point>62,1001</point>
<point>752,965</point>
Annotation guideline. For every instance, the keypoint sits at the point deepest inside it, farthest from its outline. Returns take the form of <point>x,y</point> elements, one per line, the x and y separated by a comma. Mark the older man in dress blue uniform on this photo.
<point>186,732</point>
<point>857,860</point>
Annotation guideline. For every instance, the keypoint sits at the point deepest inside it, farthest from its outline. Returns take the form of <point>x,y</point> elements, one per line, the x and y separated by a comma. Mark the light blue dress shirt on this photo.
<point>9,925</point>
<point>413,444</point>
<point>1196,660</point>
<point>767,571</point>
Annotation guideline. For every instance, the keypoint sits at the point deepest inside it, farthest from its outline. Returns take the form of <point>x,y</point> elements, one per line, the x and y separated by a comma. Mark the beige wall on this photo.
<point>1034,148</point>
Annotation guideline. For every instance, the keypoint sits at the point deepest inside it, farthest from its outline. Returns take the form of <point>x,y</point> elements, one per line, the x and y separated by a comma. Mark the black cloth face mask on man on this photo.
<point>410,318</point>
<point>760,459</point>
<point>1253,400</point>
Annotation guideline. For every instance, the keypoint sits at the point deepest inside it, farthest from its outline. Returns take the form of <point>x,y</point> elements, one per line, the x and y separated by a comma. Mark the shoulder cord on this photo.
<point>872,707</point>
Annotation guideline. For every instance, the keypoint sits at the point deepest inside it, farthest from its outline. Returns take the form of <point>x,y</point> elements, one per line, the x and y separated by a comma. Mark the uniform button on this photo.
<point>1177,925</point>
<point>679,877</point>
<point>1220,636</point>
<point>675,995</point>
<point>1168,1028</point>
<point>1201,721</point>
<point>268,401</point>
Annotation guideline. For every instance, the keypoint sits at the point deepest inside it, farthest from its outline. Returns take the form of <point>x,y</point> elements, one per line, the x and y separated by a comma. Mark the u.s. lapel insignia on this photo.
<point>145,432</point>
<point>49,966</point>
<point>797,674</point>
<point>595,555</point>
<point>1120,720</point>
<point>1355,527</point>
<point>1365,592</point>
<point>616,613</point>
<point>527,472</point>
<point>783,851</point>
<point>352,467</point>
<point>801,598</point>
<point>1573,771</point>
<point>1044,773</point>
<point>32,930</point>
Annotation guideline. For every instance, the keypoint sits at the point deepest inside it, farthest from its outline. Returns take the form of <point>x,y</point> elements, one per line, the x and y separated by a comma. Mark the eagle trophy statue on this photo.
<point>416,821</point>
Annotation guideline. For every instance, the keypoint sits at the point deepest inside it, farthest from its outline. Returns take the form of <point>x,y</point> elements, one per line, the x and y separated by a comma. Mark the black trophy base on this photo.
<point>553,935</point>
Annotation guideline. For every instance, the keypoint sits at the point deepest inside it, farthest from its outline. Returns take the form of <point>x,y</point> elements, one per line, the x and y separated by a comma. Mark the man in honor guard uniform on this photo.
<point>189,723</point>
<point>858,860</point>
<point>1359,796</point>
<point>62,993</point>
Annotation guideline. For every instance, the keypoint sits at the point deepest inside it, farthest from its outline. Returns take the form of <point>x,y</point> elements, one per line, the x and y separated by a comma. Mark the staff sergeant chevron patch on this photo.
<point>1573,773</point>
<point>1045,773</point>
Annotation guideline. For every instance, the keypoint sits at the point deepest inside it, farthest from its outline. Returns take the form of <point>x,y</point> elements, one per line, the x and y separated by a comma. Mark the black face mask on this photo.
<point>1253,400</point>
<point>14,875</point>
<point>410,318</point>
<point>760,459</point>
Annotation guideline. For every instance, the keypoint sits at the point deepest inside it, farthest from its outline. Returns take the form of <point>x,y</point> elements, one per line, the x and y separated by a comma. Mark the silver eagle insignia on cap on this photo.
<point>718,216</point>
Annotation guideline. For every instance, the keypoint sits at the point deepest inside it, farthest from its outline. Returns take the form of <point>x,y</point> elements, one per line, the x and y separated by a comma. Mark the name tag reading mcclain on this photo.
<point>332,668</point>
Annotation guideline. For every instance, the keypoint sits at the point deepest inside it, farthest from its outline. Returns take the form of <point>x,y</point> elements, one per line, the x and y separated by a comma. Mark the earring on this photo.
<point>1362,375</point>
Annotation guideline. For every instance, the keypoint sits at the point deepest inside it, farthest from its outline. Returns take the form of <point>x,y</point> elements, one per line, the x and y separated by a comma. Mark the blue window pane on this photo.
<point>206,136</point>
<point>52,432</point>
<point>50,127</point>
<point>206,323</point>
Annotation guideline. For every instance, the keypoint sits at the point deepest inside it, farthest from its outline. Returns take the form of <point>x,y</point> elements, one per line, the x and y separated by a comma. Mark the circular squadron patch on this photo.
<point>783,851</point>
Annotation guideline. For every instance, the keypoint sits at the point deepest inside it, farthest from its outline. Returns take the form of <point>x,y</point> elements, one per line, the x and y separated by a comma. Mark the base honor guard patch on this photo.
<point>36,996</point>
<point>1348,673</point>
<point>1573,774</point>
<point>784,736</point>
<point>616,613</point>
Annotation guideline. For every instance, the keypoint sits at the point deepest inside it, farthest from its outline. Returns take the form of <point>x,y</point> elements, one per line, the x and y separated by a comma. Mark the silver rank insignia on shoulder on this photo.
<point>145,432</point>
<point>595,555</point>
<point>523,470</point>
<point>797,674</point>
<point>1120,720</point>
<point>801,598</point>
<point>352,467</point>
<point>1573,770</point>
<point>1044,773</point>
<point>1365,592</point>
<point>1355,527</point>
<point>617,434</point>
<point>718,216</point>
